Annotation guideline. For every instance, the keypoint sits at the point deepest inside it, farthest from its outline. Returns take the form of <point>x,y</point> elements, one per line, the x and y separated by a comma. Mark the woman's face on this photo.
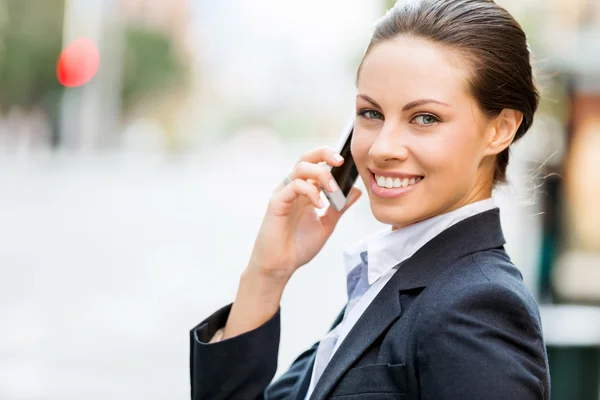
<point>417,127</point>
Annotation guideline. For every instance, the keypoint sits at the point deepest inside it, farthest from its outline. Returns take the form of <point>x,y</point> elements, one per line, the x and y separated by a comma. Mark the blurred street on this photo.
<point>114,258</point>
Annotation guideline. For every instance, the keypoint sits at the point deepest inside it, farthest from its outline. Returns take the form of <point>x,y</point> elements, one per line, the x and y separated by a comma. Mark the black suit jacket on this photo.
<point>454,322</point>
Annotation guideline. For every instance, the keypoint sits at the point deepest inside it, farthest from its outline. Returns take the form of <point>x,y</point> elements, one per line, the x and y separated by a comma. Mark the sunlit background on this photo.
<point>129,205</point>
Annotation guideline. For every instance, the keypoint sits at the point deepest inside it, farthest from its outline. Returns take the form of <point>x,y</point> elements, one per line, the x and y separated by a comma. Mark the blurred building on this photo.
<point>269,61</point>
<point>564,36</point>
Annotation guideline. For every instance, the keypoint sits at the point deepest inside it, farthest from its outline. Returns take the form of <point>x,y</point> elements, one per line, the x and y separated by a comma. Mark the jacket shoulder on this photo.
<point>479,326</point>
<point>486,283</point>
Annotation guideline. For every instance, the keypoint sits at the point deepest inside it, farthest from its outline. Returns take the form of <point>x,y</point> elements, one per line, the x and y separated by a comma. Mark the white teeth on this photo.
<point>396,182</point>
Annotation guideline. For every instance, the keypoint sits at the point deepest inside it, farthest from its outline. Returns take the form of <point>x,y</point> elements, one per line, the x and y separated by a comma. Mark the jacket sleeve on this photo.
<point>486,343</point>
<point>241,367</point>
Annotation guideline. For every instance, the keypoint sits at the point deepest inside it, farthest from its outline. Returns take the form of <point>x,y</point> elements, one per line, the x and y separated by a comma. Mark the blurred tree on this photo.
<point>30,42</point>
<point>151,65</point>
<point>29,46</point>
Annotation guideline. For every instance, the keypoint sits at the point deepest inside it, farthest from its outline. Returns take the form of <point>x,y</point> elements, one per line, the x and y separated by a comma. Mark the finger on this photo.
<point>315,183</point>
<point>297,188</point>
<point>322,154</point>
<point>306,170</point>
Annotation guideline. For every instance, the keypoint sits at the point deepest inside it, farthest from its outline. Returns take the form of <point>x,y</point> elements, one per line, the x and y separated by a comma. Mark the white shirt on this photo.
<point>386,249</point>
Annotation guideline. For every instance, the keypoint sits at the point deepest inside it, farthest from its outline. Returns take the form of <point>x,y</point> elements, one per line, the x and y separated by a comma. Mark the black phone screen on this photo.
<point>346,174</point>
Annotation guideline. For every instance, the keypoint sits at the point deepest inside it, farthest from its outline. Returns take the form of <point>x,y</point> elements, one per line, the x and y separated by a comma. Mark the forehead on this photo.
<point>413,68</point>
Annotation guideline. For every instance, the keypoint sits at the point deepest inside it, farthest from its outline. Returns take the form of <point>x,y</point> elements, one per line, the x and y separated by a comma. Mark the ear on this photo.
<point>502,131</point>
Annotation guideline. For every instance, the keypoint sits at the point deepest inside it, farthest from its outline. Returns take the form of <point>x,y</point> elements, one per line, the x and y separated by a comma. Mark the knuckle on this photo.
<point>299,185</point>
<point>302,166</point>
<point>325,176</point>
<point>292,172</point>
<point>312,170</point>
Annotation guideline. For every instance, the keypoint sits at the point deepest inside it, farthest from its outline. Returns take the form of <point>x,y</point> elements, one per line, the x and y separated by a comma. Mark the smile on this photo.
<point>388,182</point>
<point>388,187</point>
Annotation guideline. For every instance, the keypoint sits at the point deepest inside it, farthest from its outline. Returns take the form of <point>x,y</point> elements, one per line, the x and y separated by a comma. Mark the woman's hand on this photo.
<point>290,236</point>
<point>292,233</point>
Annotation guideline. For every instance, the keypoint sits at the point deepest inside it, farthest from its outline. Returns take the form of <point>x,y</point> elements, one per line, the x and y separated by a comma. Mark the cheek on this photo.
<point>360,148</point>
<point>452,157</point>
<point>361,144</point>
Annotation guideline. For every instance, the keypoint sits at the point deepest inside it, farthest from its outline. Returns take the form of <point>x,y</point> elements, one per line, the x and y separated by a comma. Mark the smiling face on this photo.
<point>417,120</point>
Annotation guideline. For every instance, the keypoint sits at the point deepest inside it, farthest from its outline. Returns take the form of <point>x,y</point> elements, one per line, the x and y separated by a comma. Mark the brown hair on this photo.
<point>492,43</point>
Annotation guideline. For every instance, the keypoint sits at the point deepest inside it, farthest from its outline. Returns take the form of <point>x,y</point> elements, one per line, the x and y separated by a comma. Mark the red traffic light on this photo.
<point>78,63</point>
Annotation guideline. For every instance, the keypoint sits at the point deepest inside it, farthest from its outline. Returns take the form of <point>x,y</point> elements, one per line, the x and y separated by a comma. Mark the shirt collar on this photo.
<point>386,248</point>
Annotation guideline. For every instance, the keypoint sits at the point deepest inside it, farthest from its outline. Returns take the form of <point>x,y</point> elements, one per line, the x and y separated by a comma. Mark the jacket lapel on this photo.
<point>301,387</point>
<point>381,313</point>
<point>477,233</point>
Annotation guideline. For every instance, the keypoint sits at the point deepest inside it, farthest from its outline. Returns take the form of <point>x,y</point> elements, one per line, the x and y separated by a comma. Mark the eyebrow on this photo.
<point>408,106</point>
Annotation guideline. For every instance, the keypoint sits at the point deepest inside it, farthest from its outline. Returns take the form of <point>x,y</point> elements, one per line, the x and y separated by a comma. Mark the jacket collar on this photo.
<point>474,234</point>
<point>477,233</point>
<point>387,248</point>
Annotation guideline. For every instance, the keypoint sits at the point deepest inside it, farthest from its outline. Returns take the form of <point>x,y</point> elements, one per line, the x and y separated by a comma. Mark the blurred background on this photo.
<point>130,203</point>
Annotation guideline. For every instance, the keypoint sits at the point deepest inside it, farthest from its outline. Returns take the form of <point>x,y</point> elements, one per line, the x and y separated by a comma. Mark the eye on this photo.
<point>370,114</point>
<point>426,119</point>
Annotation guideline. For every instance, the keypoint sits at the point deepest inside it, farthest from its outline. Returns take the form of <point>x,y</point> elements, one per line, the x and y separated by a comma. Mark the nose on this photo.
<point>389,145</point>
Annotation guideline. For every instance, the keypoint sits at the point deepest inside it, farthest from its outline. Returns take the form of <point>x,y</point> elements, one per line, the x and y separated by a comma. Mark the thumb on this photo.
<point>353,196</point>
<point>332,216</point>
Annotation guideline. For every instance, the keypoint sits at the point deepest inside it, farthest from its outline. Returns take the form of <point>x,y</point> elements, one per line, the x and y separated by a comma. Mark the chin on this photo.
<point>396,215</point>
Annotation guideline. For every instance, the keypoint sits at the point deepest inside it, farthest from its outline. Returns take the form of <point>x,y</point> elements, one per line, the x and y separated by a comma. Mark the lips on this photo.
<point>394,174</point>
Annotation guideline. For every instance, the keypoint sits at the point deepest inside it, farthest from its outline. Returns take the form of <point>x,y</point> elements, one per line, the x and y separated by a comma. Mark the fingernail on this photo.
<point>333,186</point>
<point>338,158</point>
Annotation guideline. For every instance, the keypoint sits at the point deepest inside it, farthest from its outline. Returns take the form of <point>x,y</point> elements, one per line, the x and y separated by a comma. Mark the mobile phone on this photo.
<point>346,174</point>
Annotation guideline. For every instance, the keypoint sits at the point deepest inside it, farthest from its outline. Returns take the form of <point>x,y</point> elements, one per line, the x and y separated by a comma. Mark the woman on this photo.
<point>436,309</point>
